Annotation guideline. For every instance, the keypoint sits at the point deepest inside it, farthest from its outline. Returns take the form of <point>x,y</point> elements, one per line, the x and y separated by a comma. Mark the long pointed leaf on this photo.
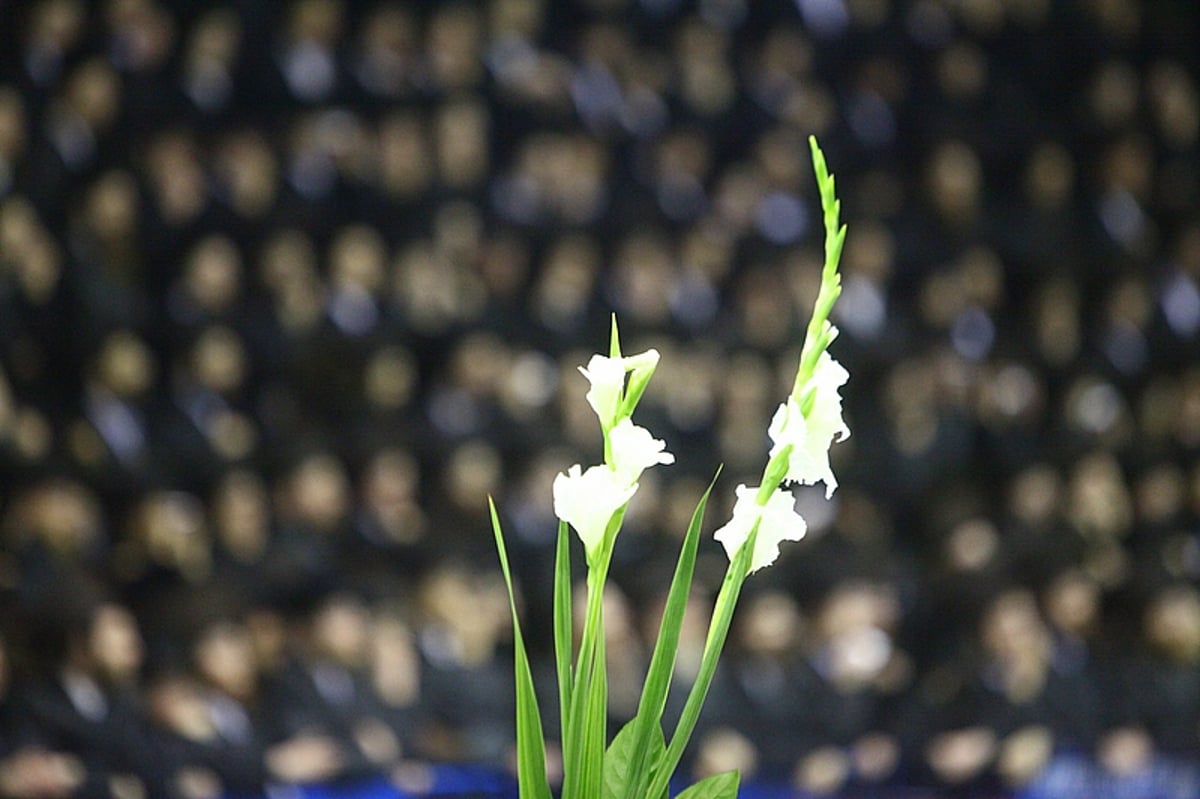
<point>584,760</point>
<point>718,630</point>
<point>563,640</point>
<point>531,745</point>
<point>662,662</point>
<point>718,786</point>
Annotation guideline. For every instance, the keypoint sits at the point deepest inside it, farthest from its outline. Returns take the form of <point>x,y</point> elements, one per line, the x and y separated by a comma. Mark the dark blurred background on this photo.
<point>288,289</point>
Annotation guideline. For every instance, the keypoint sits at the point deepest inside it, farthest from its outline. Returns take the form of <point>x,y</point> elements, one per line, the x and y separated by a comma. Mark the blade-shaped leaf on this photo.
<point>531,746</point>
<point>562,628</point>
<point>718,630</point>
<point>618,758</point>
<point>718,786</point>
<point>586,735</point>
<point>595,725</point>
<point>662,662</point>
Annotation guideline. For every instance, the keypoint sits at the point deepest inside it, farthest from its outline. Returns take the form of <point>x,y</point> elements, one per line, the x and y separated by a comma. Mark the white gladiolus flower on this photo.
<point>634,449</point>
<point>588,500</point>
<point>780,522</point>
<point>812,435</point>
<point>607,376</point>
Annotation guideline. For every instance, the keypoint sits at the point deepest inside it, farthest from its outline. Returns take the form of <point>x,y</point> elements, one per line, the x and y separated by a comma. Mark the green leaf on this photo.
<point>563,641</point>
<point>595,721</point>
<point>531,745</point>
<point>662,661</point>
<point>638,380</point>
<point>718,786</point>
<point>585,734</point>
<point>614,342</point>
<point>718,630</point>
<point>618,759</point>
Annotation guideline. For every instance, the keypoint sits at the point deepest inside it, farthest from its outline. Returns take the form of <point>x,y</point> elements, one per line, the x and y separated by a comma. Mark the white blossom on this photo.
<point>812,435</point>
<point>634,449</point>
<point>607,378</point>
<point>780,522</point>
<point>588,500</point>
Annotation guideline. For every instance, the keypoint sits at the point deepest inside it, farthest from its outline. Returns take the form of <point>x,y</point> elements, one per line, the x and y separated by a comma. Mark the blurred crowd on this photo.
<point>287,290</point>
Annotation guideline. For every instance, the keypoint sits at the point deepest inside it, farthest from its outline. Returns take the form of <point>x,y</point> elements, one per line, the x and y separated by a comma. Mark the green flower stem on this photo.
<point>773,474</point>
<point>718,631</point>
<point>563,637</point>
<point>584,728</point>
<point>662,662</point>
<point>820,333</point>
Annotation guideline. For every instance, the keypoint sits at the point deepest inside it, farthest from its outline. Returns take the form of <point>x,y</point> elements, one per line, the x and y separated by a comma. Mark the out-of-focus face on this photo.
<point>320,491</point>
<point>1013,628</point>
<point>94,93</point>
<point>773,624</point>
<point>1073,602</point>
<point>1173,624</point>
<point>219,360</point>
<point>213,273</point>
<point>241,513</point>
<point>341,629</point>
<point>125,365</point>
<point>116,644</point>
<point>224,656</point>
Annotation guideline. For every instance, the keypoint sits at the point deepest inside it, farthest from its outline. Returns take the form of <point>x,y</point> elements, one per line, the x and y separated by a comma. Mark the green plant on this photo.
<point>640,760</point>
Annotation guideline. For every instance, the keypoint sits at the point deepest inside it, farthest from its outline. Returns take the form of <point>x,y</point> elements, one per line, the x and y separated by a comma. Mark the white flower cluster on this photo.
<point>588,500</point>
<point>809,436</point>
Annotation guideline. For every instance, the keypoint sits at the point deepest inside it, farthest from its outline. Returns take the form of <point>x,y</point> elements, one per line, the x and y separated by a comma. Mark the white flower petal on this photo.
<point>634,449</point>
<point>780,522</point>
<point>588,500</point>
<point>607,378</point>
<point>812,436</point>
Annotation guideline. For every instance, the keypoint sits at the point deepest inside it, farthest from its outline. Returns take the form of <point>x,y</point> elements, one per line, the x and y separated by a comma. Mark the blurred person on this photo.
<point>78,127</point>
<point>107,242</point>
<point>461,628</point>
<point>53,528</point>
<point>34,308</point>
<point>323,686</point>
<point>83,696</point>
<point>1154,687</point>
<point>246,174</point>
<point>396,677</point>
<point>406,166</point>
<point>111,439</point>
<point>287,268</point>
<point>313,504</point>
<point>240,515</point>
<point>236,731</point>
<point>55,30</point>
<point>562,297</point>
<point>208,423</point>
<point>391,527</point>
<point>211,284</point>
<point>178,185</point>
<point>13,138</point>
<point>210,61</point>
<point>165,553</point>
<point>453,48</point>
<point>30,771</point>
<point>386,61</point>
<point>461,128</point>
<point>308,56</point>
<point>358,261</point>
<point>707,83</point>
